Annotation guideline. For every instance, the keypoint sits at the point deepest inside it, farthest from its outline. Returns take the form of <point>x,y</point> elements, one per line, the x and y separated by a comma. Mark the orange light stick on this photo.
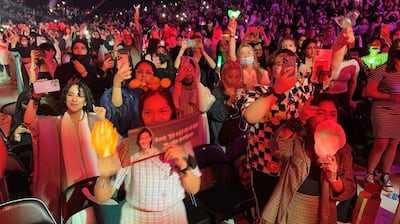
<point>104,138</point>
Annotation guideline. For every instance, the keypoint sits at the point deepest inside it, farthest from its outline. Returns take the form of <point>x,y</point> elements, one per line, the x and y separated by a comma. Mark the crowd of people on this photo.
<point>115,65</point>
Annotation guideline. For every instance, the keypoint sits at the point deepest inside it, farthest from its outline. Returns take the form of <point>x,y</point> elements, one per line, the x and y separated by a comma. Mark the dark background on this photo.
<point>84,4</point>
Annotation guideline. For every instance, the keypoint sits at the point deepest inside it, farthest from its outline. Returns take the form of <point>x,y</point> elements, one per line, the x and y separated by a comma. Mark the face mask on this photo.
<point>396,54</point>
<point>83,59</point>
<point>247,61</point>
<point>111,43</point>
<point>163,58</point>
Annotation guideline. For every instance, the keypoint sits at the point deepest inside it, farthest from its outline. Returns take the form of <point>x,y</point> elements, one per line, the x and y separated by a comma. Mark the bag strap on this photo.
<point>5,139</point>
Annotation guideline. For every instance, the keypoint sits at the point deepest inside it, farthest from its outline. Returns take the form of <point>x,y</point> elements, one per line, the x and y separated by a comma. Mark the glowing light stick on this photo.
<point>104,138</point>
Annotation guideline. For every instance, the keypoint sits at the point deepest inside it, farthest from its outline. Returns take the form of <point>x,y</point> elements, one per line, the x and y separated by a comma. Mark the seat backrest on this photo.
<point>214,164</point>
<point>210,154</point>
<point>25,211</point>
<point>239,146</point>
<point>73,199</point>
<point>14,164</point>
<point>8,108</point>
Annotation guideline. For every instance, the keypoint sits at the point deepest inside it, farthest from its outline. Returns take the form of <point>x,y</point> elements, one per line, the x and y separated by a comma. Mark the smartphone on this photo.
<point>288,62</point>
<point>385,32</point>
<point>40,40</point>
<point>219,61</point>
<point>191,43</point>
<point>122,59</point>
<point>47,86</point>
<point>107,55</point>
<point>322,63</point>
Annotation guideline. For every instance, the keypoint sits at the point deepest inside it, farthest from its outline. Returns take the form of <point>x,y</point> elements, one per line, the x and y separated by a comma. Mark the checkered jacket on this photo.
<point>259,154</point>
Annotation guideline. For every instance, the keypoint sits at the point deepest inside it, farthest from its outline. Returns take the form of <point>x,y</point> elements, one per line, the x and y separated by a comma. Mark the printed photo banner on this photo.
<point>148,141</point>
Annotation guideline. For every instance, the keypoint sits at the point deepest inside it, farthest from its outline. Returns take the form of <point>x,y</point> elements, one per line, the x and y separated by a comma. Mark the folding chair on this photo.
<point>227,197</point>
<point>25,211</point>
<point>73,200</point>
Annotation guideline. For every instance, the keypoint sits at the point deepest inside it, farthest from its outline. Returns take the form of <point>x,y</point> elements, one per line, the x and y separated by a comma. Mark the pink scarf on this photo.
<point>80,159</point>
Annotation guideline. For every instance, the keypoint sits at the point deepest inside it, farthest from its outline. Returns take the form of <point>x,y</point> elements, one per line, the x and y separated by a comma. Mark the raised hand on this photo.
<point>123,73</point>
<point>286,81</point>
<point>307,110</point>
<point>80,68</point>
<point>100,112</point>
<point>174,153</point>
<point>137,7</point>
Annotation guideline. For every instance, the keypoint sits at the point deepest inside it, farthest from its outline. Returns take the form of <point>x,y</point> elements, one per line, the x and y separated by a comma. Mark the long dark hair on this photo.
<point>391,64</point>
<point>83,88</point>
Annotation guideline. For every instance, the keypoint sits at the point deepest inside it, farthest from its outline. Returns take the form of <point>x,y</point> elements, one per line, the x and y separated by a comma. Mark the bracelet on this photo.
<point>117,85</point>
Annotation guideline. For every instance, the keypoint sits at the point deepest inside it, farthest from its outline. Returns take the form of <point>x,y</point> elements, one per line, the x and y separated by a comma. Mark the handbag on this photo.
<point>233,126</point>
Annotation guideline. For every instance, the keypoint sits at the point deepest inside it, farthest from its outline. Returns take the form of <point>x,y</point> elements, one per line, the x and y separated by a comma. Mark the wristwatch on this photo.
<point>191,164</point>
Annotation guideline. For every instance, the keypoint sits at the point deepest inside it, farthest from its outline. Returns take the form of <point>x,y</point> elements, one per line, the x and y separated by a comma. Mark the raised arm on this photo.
<point>108,167</point>
<point>340,47</point>
<point>210,61</point>
<point>136,18</point>
<point>257,110</point>
<point>232,38</point>
<point>124,73</point>
<point>184,46</point>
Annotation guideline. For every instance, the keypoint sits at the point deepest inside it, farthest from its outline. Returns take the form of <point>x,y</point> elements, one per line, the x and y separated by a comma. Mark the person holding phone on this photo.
<point>42,67</point>
<point>200,55</point>
<point>80,69</point>
<point>121,102</point>
<point>130,43</point>
<point>265,110</point>
<point>227,101</point>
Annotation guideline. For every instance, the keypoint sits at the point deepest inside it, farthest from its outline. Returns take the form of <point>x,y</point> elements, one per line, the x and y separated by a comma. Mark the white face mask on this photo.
<point>247,61</point>
<point>111,43</point>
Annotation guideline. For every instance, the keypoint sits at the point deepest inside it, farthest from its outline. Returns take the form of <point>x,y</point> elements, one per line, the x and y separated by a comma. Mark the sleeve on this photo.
<point>282,147</point>
<point>346,173</point>
<point>126,116</point>
<point>120,177</point>
<point>219,111</point>
<point>206,99</point>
